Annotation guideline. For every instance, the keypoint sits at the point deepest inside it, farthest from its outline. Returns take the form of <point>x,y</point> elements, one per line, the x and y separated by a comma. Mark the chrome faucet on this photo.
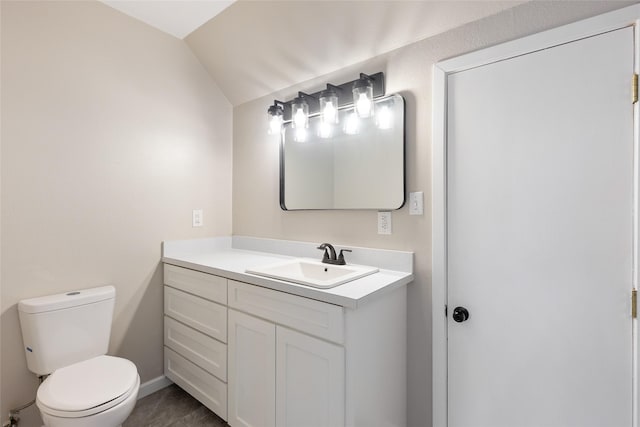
<point>330,257</point>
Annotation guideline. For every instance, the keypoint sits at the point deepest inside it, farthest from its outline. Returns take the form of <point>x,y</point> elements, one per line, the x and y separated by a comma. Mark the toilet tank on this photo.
<point>59,330</point>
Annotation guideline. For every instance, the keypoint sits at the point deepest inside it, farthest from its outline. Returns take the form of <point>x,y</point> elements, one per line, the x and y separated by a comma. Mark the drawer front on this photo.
<point>201,349</point>
<point>303,314</point>
<point>204,285</point>
<point>201,314</point>
<point>209,390</point>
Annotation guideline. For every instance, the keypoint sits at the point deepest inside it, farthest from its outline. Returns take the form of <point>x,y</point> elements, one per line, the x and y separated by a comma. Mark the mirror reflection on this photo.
<point>357,163</point>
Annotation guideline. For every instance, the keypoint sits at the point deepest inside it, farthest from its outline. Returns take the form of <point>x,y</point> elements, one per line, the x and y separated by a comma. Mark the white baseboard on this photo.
<point>153,385</point>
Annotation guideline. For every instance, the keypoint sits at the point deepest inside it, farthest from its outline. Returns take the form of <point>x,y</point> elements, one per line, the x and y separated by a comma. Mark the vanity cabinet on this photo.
<point>278,376</point>
<point>260,357</point>
<point>195,335</point>
<point>252,371</point>
<point>309,381</point>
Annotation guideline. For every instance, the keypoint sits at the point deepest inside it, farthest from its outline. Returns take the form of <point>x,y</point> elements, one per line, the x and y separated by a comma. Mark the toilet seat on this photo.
<point>88,387</point>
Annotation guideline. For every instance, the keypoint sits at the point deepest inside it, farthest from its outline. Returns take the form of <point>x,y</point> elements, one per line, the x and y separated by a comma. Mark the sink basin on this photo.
<point>313,273</point>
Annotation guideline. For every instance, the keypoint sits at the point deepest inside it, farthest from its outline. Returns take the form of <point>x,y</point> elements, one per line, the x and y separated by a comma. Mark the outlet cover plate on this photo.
<point>197,218</point>
<point>384,222</point>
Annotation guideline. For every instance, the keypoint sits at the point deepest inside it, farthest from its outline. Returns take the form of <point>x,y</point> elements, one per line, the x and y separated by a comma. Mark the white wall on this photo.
<point>112,132</point>
<point>408,71</point>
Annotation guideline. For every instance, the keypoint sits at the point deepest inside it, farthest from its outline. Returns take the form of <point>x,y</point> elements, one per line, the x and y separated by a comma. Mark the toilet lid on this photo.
<point>89,385</point>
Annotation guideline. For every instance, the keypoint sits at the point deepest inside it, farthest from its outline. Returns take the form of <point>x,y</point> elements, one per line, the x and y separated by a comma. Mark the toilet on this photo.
<point>66,336</point>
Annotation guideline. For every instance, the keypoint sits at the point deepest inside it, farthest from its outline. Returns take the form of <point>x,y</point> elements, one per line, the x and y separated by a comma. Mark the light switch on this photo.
<point>416,203</point>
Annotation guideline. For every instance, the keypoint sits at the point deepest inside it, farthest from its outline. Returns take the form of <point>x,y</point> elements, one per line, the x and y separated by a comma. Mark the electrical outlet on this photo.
<point>197,218</point>
<point>416,203</point>
<point>384,222</point>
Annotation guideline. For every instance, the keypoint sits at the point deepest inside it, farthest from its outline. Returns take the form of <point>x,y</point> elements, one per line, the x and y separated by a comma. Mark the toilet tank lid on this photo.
<point>66,300</point>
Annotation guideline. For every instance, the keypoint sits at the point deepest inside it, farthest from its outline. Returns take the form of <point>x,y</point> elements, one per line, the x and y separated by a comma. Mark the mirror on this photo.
<point>360,165</point>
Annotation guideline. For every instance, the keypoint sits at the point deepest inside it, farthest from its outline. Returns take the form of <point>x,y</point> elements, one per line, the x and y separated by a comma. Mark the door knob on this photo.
<point>460,314</point>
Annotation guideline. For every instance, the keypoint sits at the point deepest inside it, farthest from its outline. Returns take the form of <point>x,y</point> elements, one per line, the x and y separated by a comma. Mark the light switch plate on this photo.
<point>416,203</point>
<point>197,218</point>
<point>384,222</point>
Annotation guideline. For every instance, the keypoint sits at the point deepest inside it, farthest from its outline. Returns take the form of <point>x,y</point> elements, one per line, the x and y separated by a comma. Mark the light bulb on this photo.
<point>329,113</point>
<point>275,115</point>
<point>363,106</point>
<point>300,116</point>
<point>275,124</point>
<point>329,106</point>
<point>363,97</point>
<point>384,118</point>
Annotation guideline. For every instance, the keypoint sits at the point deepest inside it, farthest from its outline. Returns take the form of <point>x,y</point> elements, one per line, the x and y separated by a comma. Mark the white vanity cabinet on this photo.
<point>309,381</point>
<point>279,376</point>
<point>260,357</point>
<point>195,335</point>
<point>252,371</point>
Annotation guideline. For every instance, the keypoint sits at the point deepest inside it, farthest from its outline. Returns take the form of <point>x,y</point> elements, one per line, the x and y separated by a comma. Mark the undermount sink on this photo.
<point>312,273</point>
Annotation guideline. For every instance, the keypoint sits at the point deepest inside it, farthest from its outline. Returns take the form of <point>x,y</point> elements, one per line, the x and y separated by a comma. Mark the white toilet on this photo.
<point>67,336</point>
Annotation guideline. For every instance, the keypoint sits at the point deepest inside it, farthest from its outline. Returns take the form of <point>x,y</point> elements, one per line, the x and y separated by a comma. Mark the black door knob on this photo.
<point>460,314</point>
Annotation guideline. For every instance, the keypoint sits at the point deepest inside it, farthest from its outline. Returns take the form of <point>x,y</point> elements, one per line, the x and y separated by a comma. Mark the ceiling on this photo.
<point>176,17</point>
<point>253,48</point>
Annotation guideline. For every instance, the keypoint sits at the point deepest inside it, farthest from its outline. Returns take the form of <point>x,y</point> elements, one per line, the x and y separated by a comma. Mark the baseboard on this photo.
<point>153,385</point>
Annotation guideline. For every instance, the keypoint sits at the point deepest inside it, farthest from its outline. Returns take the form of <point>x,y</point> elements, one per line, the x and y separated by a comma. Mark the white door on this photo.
<point>252,371</point>
<point>309,381</point>
<point>540,187</point>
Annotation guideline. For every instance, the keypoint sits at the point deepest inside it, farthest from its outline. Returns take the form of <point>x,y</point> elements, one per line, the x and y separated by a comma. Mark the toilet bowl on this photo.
<point>66,338</point>
<point>99,392</point>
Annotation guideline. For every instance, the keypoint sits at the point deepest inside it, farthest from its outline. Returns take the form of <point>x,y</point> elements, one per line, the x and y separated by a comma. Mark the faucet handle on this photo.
<point>341,260</point>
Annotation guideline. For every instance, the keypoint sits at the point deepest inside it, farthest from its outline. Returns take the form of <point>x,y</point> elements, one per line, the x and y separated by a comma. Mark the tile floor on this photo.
<point>173,407</point>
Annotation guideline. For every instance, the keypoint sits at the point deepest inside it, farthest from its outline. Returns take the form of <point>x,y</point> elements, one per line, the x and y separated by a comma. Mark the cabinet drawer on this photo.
<point>197,382</point>
<point>204,285</point>
<point>204,351</point>
<point>199,313</point>
<point>313,317</point>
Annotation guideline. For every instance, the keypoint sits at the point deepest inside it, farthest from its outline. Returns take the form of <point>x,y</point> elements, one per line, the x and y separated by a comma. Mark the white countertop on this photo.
<point>219,256</point>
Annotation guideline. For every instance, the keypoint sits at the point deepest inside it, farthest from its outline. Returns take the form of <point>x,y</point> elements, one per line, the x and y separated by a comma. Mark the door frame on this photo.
<point>628,16</point>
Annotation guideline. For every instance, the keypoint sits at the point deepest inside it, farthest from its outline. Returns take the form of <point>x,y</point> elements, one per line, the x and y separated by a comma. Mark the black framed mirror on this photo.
<point>358,163</point>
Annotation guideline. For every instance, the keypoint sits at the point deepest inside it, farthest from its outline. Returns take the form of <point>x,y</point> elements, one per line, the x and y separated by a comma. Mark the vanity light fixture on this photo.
<point>276,117</point>
<point>327,104</point>
<point>363,96</point>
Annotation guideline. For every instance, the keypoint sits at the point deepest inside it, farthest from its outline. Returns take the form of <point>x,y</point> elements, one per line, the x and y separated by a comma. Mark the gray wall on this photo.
<point>112,132</point>
<point>408,71</point>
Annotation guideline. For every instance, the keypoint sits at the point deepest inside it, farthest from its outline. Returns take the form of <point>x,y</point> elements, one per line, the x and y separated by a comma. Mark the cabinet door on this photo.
<point>252,371</point>
<point>310,381</point>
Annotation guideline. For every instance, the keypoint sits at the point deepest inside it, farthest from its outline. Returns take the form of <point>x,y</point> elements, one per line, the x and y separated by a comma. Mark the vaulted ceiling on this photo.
<point>255,47</point>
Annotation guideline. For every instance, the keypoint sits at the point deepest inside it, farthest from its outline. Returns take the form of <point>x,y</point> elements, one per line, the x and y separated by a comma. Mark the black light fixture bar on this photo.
<point>344,92</point>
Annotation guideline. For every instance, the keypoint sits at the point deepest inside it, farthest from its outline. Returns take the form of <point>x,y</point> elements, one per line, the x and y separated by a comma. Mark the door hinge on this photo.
<point>634,88</point>
<point>634,303</point>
